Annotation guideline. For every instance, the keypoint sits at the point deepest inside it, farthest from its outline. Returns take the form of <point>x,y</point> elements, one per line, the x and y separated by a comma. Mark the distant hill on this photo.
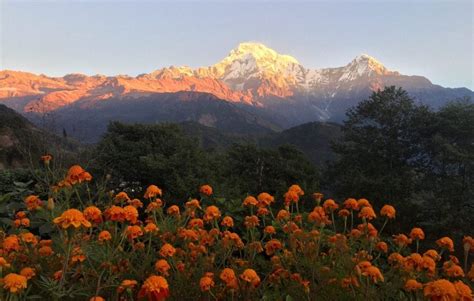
<point>87,121</point>
<point>22,143</point>
<point>19,139</point>
<point>214,139</point>
<point>313,139</point>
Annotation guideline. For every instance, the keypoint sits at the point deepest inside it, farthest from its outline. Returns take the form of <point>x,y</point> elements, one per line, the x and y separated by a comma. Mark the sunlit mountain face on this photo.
<point>252,77</point>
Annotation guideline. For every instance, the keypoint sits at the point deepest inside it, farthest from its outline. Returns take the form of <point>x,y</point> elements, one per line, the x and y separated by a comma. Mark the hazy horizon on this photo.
<point>431,39</point>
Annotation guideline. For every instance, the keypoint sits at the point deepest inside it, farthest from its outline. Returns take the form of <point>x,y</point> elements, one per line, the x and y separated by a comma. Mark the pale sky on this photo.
<point>429,38</point>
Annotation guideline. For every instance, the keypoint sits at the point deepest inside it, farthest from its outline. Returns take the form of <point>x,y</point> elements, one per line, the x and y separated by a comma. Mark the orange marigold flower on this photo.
<point>470,274</point>
<point>150,228</point>
<point>417,234</point>
<point>152,191</point>
<point>432,254</point>
<point>291,197</point>
<point>227,221</point>
<point>193,205</point>
<point>318,216</point>
<point>22,222</point>
<point>330,205</point>
<point>367,212</point>
<point>464,291</point>
<point>344,213</point>
<point>350,281</point>
<point>296,188</point>
<point>77,255</point>
<point>212,213</point>
<point>76,174</point>
<point>20,214</point>
<point>154,205</point>
<point>45,251</point>
<point>262,211</point>
<point>250,201</point>
<point>272,245</point>
<point>135,203</point>
<point>14,283</point>
<point>173,210</point>
<point>269,230</point>
<point>133,232</point>
<point>351,204</point>
<point>250,276</point>
<point>453,270</point>
<point>388,211</point>
<point>362,266</point>
<point>402,240</point>
<point>382,247</point>
<point>130,214</point>
<point>251,221</point>
<point>33,202</point>
<point>162,266</point>
<point>228,276</point>
<point>4,263</point>
<point>167,250</point>
<point>206,190</point>
<point>356,233</point>
<point>58,275</point>
<point>28,273</point>
<point>446,243</point>
<point>93,214</point>
<point>412,285</point>
<point>283,215</point>
<point>265,199</point>
<point>29,237</point>
<point>429,265</point>
<point>122,197</point>
<point>155,288</point>
<point>396,258</point>
<point>440,290</point>
<point>373,273</point>
<point>206,283</point>
<point>468,244</point>
<point>363,203</point>
<point>72,217</point>
<point>105,236</point>
<point>196,223</point>
<point>115,214</point>
<point>97,298</point>
<point>126,284</point>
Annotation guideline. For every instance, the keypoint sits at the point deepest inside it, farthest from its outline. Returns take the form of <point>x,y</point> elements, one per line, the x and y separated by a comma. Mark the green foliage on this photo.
<point>164,155</point>
<point>14,186</point>
<point>158,154</point>
<point>250,169</point>
<point>395,151</point>
<point>449,174</point>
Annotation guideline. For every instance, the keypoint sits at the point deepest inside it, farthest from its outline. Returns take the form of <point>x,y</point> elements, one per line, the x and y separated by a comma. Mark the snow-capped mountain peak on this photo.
<point>261,53</point>
<point>361,66</point>
<point>252,60</point>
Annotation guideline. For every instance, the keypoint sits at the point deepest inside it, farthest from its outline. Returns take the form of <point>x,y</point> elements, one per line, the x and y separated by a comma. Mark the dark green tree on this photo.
<point>447,191</point>
<point>251,170</point>
<point>381,155</point>
<point>378,152</point>
<point>154,154</point>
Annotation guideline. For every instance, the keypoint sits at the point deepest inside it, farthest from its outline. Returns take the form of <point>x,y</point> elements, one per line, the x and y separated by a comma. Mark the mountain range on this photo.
<point>253,89</point>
